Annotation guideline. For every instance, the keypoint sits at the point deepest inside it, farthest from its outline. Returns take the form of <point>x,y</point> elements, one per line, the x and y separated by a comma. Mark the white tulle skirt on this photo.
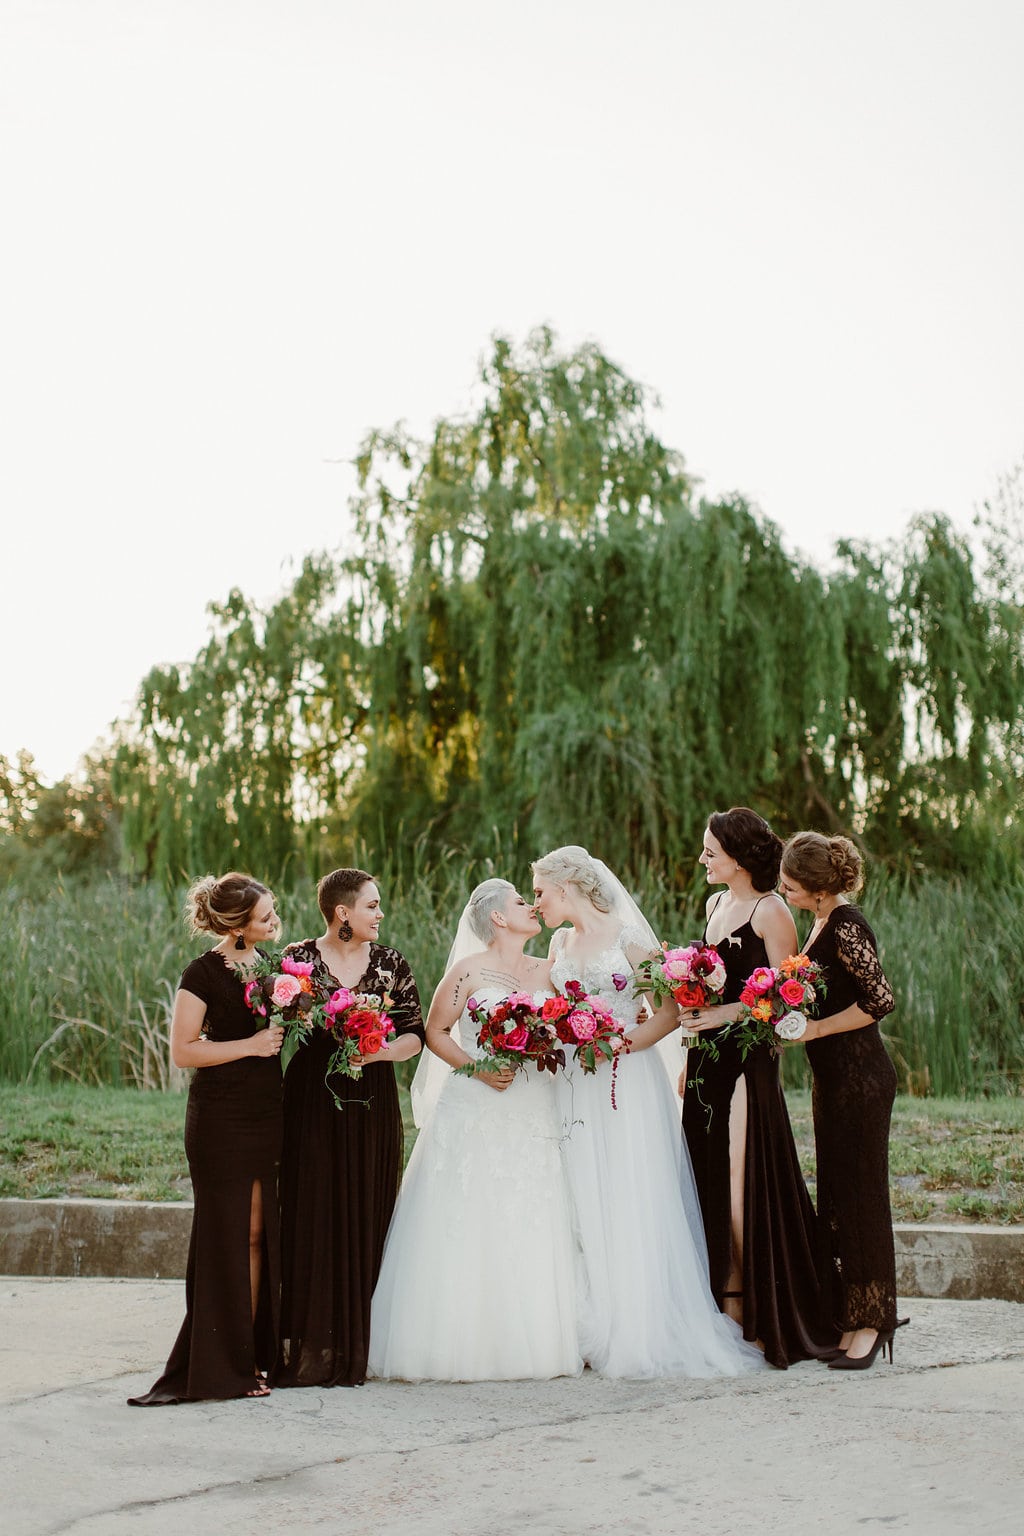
<point>478,1281</point>
<point>645,1307</point>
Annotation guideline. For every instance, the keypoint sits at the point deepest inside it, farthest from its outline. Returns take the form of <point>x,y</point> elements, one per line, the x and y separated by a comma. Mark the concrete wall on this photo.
<point>149,1241</point>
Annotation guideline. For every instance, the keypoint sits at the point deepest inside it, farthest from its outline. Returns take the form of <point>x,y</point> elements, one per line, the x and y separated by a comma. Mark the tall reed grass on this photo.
<point>89,969</point>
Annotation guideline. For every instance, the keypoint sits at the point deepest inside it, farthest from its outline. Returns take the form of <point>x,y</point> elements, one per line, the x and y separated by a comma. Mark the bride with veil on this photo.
<point>644,1302</point>
<point>477,1281</point>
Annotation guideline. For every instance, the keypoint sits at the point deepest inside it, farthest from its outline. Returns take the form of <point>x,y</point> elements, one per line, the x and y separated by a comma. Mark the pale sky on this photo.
<point>237,234</point>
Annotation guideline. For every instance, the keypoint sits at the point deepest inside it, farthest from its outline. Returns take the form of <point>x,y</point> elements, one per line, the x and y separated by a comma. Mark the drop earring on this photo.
<point>345,931</point>
<point>239,942</point>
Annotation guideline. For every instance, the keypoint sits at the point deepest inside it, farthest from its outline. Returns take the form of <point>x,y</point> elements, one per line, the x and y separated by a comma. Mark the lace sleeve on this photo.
<point>855,948</point>
<point>406,1011</point>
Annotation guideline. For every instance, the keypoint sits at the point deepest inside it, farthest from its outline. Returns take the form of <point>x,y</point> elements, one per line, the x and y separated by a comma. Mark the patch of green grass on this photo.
<point>107,1143</point>
<point>951,1159</point>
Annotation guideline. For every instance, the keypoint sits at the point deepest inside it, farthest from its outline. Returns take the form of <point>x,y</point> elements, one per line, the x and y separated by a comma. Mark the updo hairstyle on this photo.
<point>573,865</point>
<point>746,837</point>
<point>828,866</point>
<point>489,896</point>
<point>219,904</point>
<point>339,889</point>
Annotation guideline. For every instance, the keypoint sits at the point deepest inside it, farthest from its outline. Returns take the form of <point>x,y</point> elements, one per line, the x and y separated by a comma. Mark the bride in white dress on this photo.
<point>478,1277</point>
<point>645,1305</point>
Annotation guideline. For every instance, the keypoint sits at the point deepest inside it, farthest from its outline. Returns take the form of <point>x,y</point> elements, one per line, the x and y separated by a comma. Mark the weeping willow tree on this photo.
<point>537,630</point>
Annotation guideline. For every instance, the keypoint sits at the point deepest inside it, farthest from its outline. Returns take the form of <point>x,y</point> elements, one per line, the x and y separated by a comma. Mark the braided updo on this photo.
<point>830,866</point>
<point>573,865</point>
<point>746,837</point>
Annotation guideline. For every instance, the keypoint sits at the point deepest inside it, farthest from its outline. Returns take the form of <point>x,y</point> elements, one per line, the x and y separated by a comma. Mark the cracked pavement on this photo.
<point>932,1444</point>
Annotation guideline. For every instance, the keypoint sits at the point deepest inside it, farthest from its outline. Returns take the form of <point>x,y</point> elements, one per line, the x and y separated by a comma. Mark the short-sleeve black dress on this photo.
<point>854,1089</point>
<point>232,1141</point>
<point>783,1304</point>
<point>340,1172</point>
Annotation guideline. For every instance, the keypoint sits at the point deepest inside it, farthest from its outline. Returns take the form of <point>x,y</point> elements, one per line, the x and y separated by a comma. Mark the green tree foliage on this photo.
<point>49,829</point>
<point>538,631</point>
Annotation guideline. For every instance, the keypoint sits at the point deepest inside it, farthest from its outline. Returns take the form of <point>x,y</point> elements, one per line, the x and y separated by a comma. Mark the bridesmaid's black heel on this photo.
<point>883,1341</point>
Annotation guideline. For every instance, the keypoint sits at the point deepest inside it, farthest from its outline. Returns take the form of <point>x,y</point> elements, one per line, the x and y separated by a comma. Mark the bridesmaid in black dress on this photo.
<point>854,1089</point>
<point>758,1217</point>
<point>228,1340</point>
<point>341,1167</point>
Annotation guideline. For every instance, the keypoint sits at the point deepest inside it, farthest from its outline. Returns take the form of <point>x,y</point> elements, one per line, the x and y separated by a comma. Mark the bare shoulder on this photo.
<point>772,915</point>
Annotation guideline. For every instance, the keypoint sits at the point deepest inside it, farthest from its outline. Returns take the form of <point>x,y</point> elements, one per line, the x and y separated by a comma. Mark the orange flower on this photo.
<point>762,1010</point>
<point>794,964</point>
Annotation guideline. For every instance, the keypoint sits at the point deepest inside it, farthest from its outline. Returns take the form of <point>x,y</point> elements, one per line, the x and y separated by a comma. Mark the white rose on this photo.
<point>716,978</point>
<point>793,1026</point>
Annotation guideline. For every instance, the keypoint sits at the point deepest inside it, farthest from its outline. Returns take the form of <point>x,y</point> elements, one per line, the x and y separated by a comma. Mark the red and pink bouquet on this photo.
<point>361,1026</point>
<point>777,1002</point>
<point>282,991</point>
<point>693,974</point>
<point>589,1026</point>
<point>511,1034</point>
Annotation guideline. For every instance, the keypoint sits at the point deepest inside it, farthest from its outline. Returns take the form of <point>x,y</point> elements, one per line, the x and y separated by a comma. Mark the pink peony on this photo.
<point>286,990</point>
<point>792,992</point>
<point>583,1025</point>
<point>677,964</point>
<point>517,1039</point>
<point>520,1000</point>
<point>762,980</point>
<point>339,1001</point>
<point>296,967</point>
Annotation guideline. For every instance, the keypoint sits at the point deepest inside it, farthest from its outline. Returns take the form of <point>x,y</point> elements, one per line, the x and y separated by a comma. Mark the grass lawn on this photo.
<point>951,1159</point>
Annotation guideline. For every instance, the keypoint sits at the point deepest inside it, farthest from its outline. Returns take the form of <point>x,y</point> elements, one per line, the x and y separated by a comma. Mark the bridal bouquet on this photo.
<point>693,975</point>
<point>361,1026</point>
<point>589,1026</point>
<point>282,991</point>
<point>512,1033</point>
<point>776,1004</point>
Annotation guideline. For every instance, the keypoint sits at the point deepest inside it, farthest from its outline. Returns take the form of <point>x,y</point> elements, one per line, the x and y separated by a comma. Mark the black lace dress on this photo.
<point>854,1088</point>
<point>783,1304</point>
<point>340,1172</point>
<point>232,1141</point>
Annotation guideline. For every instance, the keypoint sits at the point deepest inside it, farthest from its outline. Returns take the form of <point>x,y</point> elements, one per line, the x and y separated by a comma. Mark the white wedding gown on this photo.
<point>645,1307</point>
<point>478,1277</point>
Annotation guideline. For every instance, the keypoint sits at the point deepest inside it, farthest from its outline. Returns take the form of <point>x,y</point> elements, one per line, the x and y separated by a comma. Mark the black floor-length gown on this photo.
<point>854,1089</point>
<point>340,1173</point>
<point>232,1141</point>
<point>784,1307</point>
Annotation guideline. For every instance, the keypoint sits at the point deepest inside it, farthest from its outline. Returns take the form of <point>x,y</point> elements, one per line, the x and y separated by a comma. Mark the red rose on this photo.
<point>748,998</point>
<point>689,994</point>
<point>554,1008</point>
<point>371,1042</point>
<point>359,1020</point>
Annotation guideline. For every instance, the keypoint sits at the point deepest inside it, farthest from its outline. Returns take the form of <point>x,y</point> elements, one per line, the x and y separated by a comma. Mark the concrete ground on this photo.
<point>933,1444</point>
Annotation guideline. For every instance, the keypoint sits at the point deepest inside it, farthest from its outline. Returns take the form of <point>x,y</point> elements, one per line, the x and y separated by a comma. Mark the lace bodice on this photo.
<point>608,974</point>
<point>846,950</point>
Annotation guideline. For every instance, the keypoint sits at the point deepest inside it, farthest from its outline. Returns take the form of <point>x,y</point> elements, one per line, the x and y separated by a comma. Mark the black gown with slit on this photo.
<point>854,1089</point>
<point>340,1172</point>
<point>784,1306</point>
<point>232,1141</point>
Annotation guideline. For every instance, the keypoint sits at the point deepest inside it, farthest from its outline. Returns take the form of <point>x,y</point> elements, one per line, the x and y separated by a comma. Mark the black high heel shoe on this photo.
<point>882,1342</point>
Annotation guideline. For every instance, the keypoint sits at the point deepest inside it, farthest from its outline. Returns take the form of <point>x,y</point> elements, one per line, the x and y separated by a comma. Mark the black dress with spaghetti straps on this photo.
<point>783,1302</point>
